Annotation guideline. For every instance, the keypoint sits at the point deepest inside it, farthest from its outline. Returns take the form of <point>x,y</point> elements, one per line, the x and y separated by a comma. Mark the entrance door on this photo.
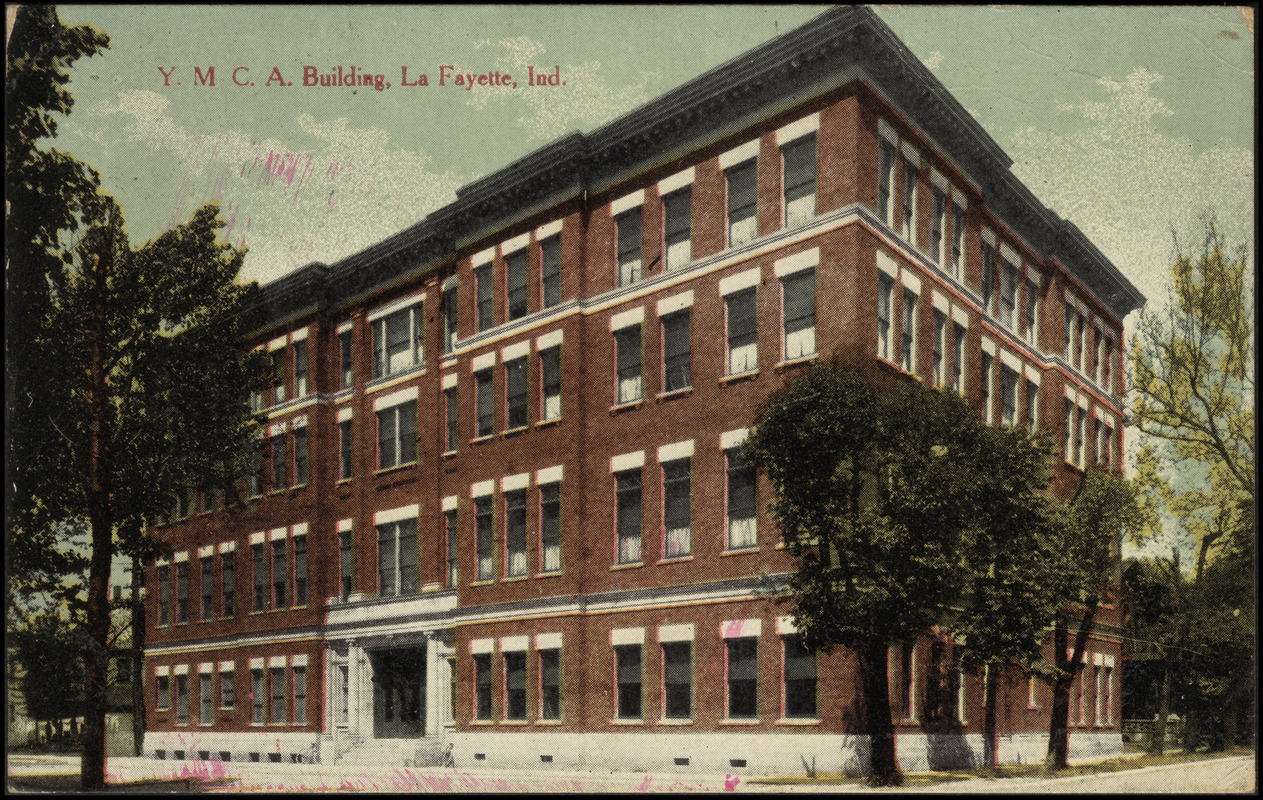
<point>399,693</point>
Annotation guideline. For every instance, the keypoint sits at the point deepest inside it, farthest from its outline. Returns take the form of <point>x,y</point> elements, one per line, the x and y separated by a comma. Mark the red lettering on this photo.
<point>234,76</point>
<point>309,76</point>
<point>275,76</point>
<point>166,76</point>
<point>198,77</point>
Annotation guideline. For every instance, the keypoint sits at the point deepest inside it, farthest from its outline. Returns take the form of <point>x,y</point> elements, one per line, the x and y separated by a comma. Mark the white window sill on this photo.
<point>512,431</point>
<point>674,393</point>
<point>514,578</point>
<point>740,721</point>
<point>544,423</point>
<point>793,362</point>
<point>743,551</point>
<point>675,723</point>
<point>675,559</point>
<point>631,565</point>
<point>482,583</point>
<point>626,405</point>
<point>395,468</point>
<point>627,722</point>
<point>799,721</point>
<point>738,376</point>
<point>480,439</point>
<point>514,723</point>
<point>548,722</point>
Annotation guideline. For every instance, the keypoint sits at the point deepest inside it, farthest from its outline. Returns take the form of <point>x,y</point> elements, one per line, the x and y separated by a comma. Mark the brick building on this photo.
<point>500,502</point>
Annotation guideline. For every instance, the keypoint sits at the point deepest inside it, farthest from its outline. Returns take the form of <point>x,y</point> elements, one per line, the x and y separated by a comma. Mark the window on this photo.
<point>397,558</point>
<point>1080,325</point>
<point>485,546</point>
<point>676,351</point>
<point>1008,415</point>
<point>550,684</point>
<point>256,400</point>
<point>908,676</point>
<point>1107,445</point>
<point>550,381</point>
<point>228,577</point>
<point>278,376</point>
<point>677,680</point>
<point>451,316</point>
<point>627,660</point>
<point>397,341</point>
<point>908,357</point>
<point>885,179</point>
<point>258,560</point>
<point>300,570</point>
<point>677,490</point>
<point>938,356</point>
<point>515,272</point>
<point>630,244</point>
<point>1008,292</point>
<point>550,527</point>
<point>1069,331</point>
<point>257,697</point>
<point>1107,365</point>
<point>280,574</point>
<point>300,456</point>
<point>182,699</point>
<point>798,310</point>
<point>300,368</point>
<point>515,393</point>
<point>742,529</point>
<point>346,450</point>
<point>164,595</point>
<point>678,227</point>
<point>205,713</point>
<point>988,276</point>
<point>278,694</point>
<point>958,241</point>
<point>227,689</point>
<point>255,487</point>
<point>482,686</point>
<point>182,592</point>
<point>743,332</point>
<point>1069,443</point>
<point>164,692</point>
<point>910,175</point>
<point>742,182</point>
<point>300,695</point>
<point>628,522</point>
<point>1078,437</point>
<point>937,217</point>
<point>515,532</point>
<point>397,435</point>
<point>346,563</point>
<point>631,383</point>
<point>451,410</point>
<point>985,363</point>
<point>885,294</point>
<point>550,256</point>
<point>742,662</point>
<point>800,678</point>
<point>208,588</point>
<point>280,478</point>
<point>1032,406</point>
<point>347,359</point>
<point>799,162</point>
<point>1097,442</point>
<point>453,566</point>
<point>515,685</point>
<point>484,396</point>
<point>1096,354</point>
<point>485,290</point>
<point>1031,322</point>
<point>958,357</point>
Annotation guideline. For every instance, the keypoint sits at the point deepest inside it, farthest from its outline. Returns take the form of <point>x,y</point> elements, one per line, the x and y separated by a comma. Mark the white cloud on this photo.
<point>933,60</point>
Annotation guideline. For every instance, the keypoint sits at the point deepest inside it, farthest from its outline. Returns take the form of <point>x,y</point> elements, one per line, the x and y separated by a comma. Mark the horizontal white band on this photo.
<point>988,236</point>
<point>278,343</point>
<point>939,179</point>
<point>798,129</point>
<point>513,644</point>
<point>988,346</point>
<point>680,632</point>
<point>276,661</point>
<point>627,636</point>
<point>299,530</point>
<point>484,361</point>
<point>960,316</point>
<point>544,231</point>
<point>227,547</point>
<point>910,152</point>
<point>627,202</point>
<point>483,257</point>
<point>256,663</point>
<point>739,281</point>
<point>482,488</point>
<point>181,556</point>
<point>395,514</point>
<point>510,483</point>
<point>298,335</point>
<point>206,667</point>
<point>550,339</point>
<point>1032,374</point>
<point>208,550</point>
<point>677,181</point>
<point>738,628</point>
<point>298,661</point>
<point>733,438</point>
<point>886,132</point>
<point>345,326</point>
<point>940,302</point>
<point>628,318</point>
<point>277,533</point>
<point>345,414</point>
<point>449,502</point>
<point>181,669</point>
<point>227,666</point>
<point>671,452</point>
<point>627,461</point>
<point>785,626</point>
<point>911,281</point>
<point>547,641</point>
<point>549,475</point>
<point>515,350</point>
<point>887,265</point>
<point>515,244</point>
<point>1011,361</point>
<point>479,646</point>
<point>394,398</point>
<point>959,198</point>
<point>1010,255</point>
<point>676,302</point>
<point>298,422</point>
<point>740,154</point>
<point>160,671</point>
<point>258,538</point>
<point>345,524</point>
<point>398,305</point>
<point>797,262</point>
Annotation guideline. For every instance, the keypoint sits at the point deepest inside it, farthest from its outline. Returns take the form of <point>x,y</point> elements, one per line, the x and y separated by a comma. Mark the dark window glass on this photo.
<point>1009,415</point>
<point>227,690</point>
<point>799,309</point>
<point>486,402</point>
<point>182,592</point>
<point>397,558</point>
<point>208,587</point>
<point>550,367</point>
<point>300,570</point>
<point>279,459</point>
<point>910,175</point>
<point>743,677</point>
<point>258,696</point>
<point>988,276</point>
<point>550,254</point>
<point>451,402</point>
<point>958,361</point>
<point>451,317</point>
<point>630,245</point>
<point>347,359</point>
<point>485,536</point>
<point>259,561</point>
<point>885,294</point>
<point>280,574</point>
<point>300,456</point>
<point>743,183</point>
<point>550,527</point>
<point>627,658</point>
<point>346,446</point>
<point>397,435</point>
<point>278,375</point>
<point>277,675</point>
<point>631,383</point>
<point>937,218</point>
<point>300,695</point>
<point>346,563</point>
<point>182,699</point>
<point>515,685</point>
<point>515,393</point>
<point>985,368</point>
<point>515,532</point>
<point>938,346</point>
<point>678,210</point>
<point>164,692</point>
<point>515,266</point>
<point>677,351</point>
<point>164,595</point>
<point>677,679</point>
<point>629,532</point>
<point>398,341</point>
<point>677,506</point>
<point>228,574</point>
<point>550,684</point>
<point>742,530</point>
<point>800,180</point>
<point>885,178</point>
<point>482,686</point>
<point>300,368</point>
<point>486,297</point>
<point>743,332</point>
<point>958,240</point>
<point>800,679</point>
<point>909,331</point>
<point>453,570</point>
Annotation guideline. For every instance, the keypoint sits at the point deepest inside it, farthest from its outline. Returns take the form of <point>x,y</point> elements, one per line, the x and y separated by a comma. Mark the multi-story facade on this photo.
<point>500,502</point>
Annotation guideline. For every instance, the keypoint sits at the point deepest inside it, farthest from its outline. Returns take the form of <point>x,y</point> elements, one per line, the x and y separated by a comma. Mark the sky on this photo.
<point>1131,122</point>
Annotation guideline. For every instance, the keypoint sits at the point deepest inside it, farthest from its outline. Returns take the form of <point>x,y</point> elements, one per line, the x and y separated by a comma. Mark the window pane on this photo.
<point>885,179</point>
<point>280,573</point>
<point>227,690</point>
<point>345,443</point>
<point>451,317</point>
<point>676,351</point>
<point>936,225</point>
<point>347,359</point>
<point>515,685</point>
<point>515,393</point>
<point>550,526</point>
<point>387,438</point>
<point>228,578</point>
<point>387,561</point>
<point>678,227</point>
<point>677,506</point>
<point>278,694</point>
<point>515,266</point>
<point>482,686</point>
<point>300,368</point>
<point>453,552</point>
<point>743,674</point>
<point>483,523</point>
<point>300,694</point>
<point>910,176</point>
<point>279,461</point>
<point>486,403</point>
<point>208,588</point>
<point>743,338</point>
<point>300,456</point>
<point>260,577</point>
<point>741,516</point>
<point>550,252</point>
<point>300,570</point>
<point>550,366</point>
<point>346,563</point>
<point>279,374</point>
<point>628,491</point>
<point>515,531</point>
<point>885,292</point>
<point>742,183</point>
<point>550,684</point>
<point>486,298</point>
<point>630,377</point>
<point>800,315</point>
<point>800,679</point>
<point>800,181</point>
<point>406,531</point>
<point>630,243</point>
<point>628,668</point>
<point>452,410</point>
<point>677,676</point>
<point>182,699</point>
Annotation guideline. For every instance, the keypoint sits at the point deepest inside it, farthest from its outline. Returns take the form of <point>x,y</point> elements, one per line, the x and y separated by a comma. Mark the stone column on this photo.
<point>432,694</point>
<point>354,654</point>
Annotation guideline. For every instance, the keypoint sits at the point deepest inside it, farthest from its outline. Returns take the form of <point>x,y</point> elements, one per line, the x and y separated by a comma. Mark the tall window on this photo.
<point>988,276</point>
<point>958,241</point>
<point>278,376</point>
<point>885,295</point>
<point>631,382</point>
<point>550,254</point>
<point>164,595</point>
<point>451,409</point>
<point>515,532</point>
<point>1095,371</point>
<point>937,219</point>
<point>798,310</point>
<point>397,341</point>
<point>397,558</point>
<point>742,530</point>
<point>799,162</point>
<point>908,356</point>
<point>1068,446</point>
<point>205,711</point>
<point>1106,448</point>
<point>1081,418</point>
<point>627,660</point>
<point>257,696</point>
<point>346,563</point>
<point>678,227</point>
<point>300,456</point>
<point>300,570</point>
<point>938,356</point>
<point>347,359</point>
<point>885,179</point>
<point>550,527</point>
<point>208,587</point>
<point>742,661</point>
<point>182,592</point>
<point>515,393</point>
<point>743,183</point>
<point>1009,398</point>
<point>258,560</point>
<point>279,460</point>
<point>397,435</point>
<point>453,551</point>
<point>910,176</point>
<point>677,679</point>
<point>182,699</point>
<point>676,351</point>
<point>1032,406</point>
<point>346,458</point>
<point>515,685</point>
<point>1068,336</point>
<point>277,675</point>
<point>484,288</point>
<point>451,317</point>
<point>800,678</point>
<point>550,684</point>
<point>958,357</point>
<point>630,245</point>
<point>1081,323</point>
<point>482,686</point>
<point>677,502</point>
<point>485,538</point>
<point>550,383</point>
<point>228,578</point>
<point>227,689</point>
<point>515,269</point>
<point>743,332</point>
<point>1107,365</point>
<point>485,401</point>
<point>628,511</point>
<point>300,695</point>
<point>255,480</point>
<point>164,692</point>
<point>300,368</point>
<point>280,573</point>
<point>1031,321</point>
<point>1008,292</point>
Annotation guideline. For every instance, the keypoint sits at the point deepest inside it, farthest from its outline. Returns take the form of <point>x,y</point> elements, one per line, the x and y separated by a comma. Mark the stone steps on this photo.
<point>400,752</point>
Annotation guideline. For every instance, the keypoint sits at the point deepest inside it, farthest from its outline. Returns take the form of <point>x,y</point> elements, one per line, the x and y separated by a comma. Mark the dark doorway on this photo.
<point>398,693</point>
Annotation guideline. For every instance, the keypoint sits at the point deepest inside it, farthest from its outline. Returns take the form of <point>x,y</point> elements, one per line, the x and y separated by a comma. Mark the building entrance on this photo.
<point>399,682</point>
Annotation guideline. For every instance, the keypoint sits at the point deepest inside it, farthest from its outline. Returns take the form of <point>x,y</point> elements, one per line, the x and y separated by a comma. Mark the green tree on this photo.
<point>49,647</point>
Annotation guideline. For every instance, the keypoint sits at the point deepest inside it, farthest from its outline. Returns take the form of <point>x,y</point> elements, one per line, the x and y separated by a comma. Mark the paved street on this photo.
<point>1219,775</point>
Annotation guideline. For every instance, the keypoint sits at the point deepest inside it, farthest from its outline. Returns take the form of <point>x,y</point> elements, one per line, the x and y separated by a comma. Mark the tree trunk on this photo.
<point>883,761</point>
<point>98,466</point>
<point>138,658</point>
<point>1164,708</point>
<point>990,733</point>
<point>1059,728</point>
